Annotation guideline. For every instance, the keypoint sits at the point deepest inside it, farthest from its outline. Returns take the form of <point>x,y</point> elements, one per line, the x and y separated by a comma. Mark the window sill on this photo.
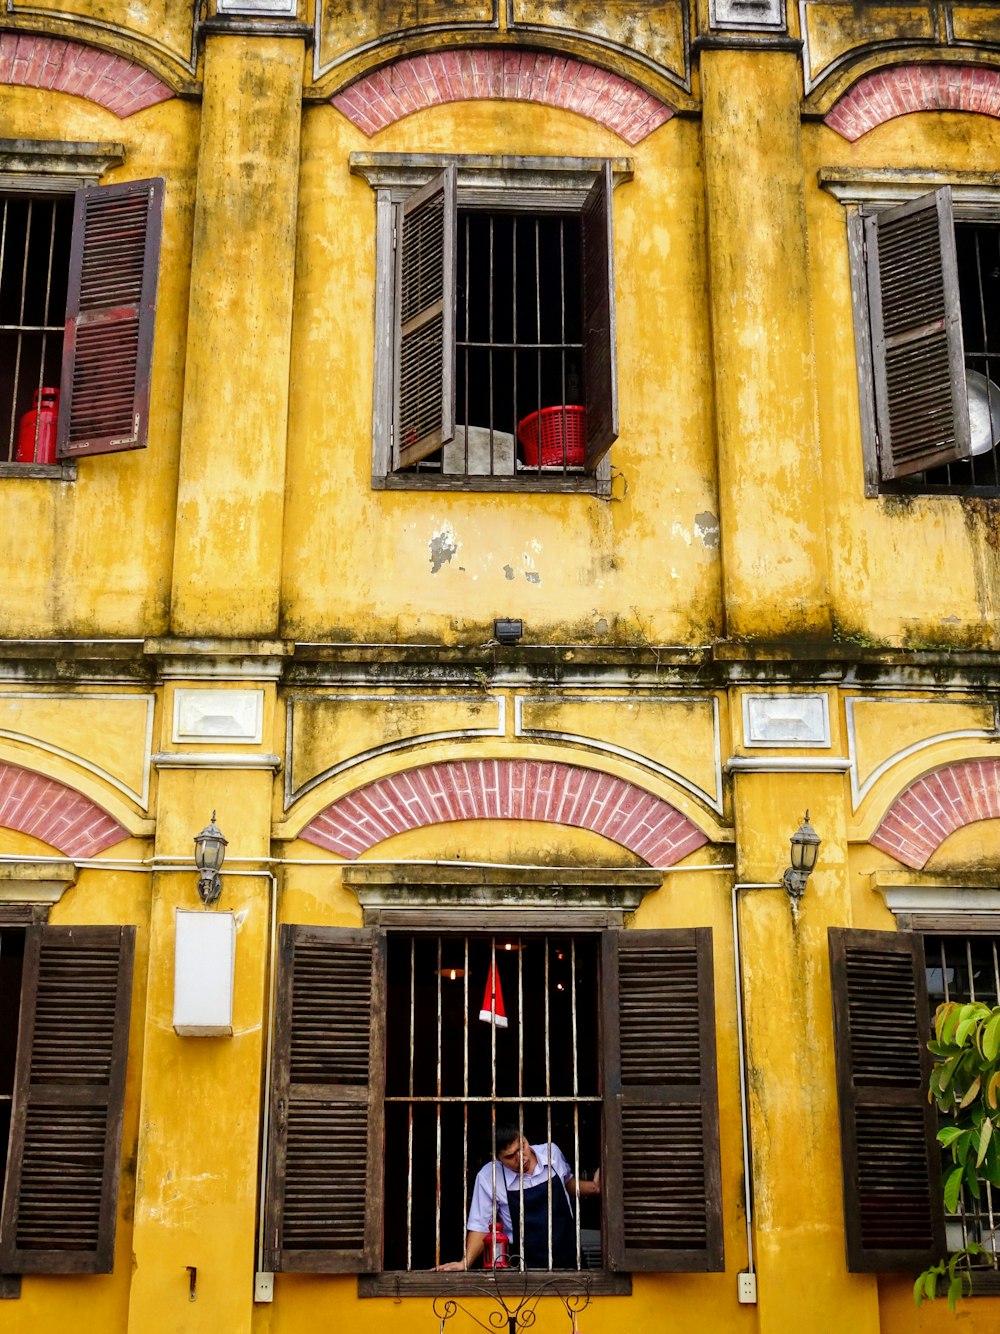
<point>49,472</point>
<point>571,483</point>
<point>430,1283</point>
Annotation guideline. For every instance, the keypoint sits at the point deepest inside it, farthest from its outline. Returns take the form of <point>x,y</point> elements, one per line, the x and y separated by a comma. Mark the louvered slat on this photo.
<point>61,1202</point>
<point>324,1148</point>
<point>893,1206</point>
<point>111,306</point>
<point>916,327</point>
<point>661,1101</point>
<point>600,355</point>
<point>424,361</point>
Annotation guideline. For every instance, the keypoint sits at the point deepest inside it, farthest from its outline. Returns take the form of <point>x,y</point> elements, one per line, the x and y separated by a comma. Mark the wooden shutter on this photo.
<point>921,402</point>
<point>424,362</point>
<point>600,355</point>
<point>661,1168</point>
<point>110,311</point>
<point>893,1203</point>
<point>61,1194</point>
<point>324,1180</point>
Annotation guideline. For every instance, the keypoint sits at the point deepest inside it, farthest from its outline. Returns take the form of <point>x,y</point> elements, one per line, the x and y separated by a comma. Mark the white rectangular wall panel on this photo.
<point>204,965</point>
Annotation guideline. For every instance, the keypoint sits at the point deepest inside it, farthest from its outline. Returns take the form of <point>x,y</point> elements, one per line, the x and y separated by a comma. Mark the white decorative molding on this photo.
<point>915,899</point>
<point>179,759</point>
<point>283,9</point>
<point>786,720</point>
<point>746,15</point>
<point>860,790</point>
<point>787,764</point>
<point>141,797</point>
<point>712,799</point>
<point>205,716</point>
<point>292,794</point>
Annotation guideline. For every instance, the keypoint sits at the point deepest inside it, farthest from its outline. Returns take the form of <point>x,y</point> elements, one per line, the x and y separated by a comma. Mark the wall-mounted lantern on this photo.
<point>805,849</point>
<point>209,854</point>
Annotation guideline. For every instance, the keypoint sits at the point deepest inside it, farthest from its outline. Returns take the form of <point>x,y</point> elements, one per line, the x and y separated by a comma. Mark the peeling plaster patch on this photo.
<point>536,546</point>
<point>532,576</point>
<point>678,530</point>
<point>442,547</point>
<point>508,571</point>
<point>950,620</point>
<point>706,525</point>
<point>601,627</point>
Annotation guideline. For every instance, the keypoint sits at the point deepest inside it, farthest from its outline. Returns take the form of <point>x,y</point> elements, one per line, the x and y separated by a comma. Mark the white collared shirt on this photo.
<point>481,1209</point>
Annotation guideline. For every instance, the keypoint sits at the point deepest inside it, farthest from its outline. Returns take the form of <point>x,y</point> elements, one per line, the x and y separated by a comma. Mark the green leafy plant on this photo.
<point>965,1087</point>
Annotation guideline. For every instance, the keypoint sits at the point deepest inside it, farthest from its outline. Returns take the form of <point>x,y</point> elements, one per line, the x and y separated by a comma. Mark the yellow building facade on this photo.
<point>463,709</point>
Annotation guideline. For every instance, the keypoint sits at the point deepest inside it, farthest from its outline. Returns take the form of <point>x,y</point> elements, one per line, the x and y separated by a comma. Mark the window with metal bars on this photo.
<point>78,276</point>
<point>495,324</point>
<point>391,1070</point>
<point>463,1058</point>
<point>930,364</point>
<point>967,968</point>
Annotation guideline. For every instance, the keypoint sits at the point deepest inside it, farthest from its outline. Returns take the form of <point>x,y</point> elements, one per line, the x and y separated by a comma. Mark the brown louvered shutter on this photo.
<point>61,1195</point>
<point>424,362</point>
<point>324,1190</point>
<point>600,355</point>
<point>893,1203</point>
<point>662,1169</point>
<point>921,403</point>
<point>110,312</point>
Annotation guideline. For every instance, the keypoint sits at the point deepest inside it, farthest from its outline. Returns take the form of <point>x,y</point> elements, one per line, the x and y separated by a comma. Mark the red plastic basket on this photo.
<point>563,432</point>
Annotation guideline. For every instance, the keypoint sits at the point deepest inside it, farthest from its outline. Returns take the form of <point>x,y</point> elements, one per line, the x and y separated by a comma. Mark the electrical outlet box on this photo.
<point>263,1287</point>
<point>746,1288</point>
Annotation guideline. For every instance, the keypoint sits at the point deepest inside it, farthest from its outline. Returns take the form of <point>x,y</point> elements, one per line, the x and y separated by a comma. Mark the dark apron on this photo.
<point>536,1225</point>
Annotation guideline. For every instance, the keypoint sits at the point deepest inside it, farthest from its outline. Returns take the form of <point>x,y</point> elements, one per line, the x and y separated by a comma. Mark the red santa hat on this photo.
<point>493,1000</point>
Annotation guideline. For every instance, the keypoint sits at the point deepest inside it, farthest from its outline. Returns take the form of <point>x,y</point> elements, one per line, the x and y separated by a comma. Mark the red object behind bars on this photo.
<point>495,1248</point>
<point>44,415</point>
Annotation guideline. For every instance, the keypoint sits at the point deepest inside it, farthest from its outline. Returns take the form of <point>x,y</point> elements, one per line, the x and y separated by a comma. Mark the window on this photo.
<point>78,272</point>
<point>65,997</point>
<point>928,273</point>
<point>967,968</point>
<point>385,1084</point>
<point>495,328</point>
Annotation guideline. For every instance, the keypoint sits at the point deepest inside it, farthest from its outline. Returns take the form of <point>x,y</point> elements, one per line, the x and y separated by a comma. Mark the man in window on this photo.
<point>522,1174</point>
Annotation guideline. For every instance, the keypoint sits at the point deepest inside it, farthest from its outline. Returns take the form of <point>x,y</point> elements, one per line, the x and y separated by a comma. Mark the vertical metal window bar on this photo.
<point>538,338</point>
<point>465,1085</point>
<point>562,336</point>
<point>548,1095</point>
<point>409,1144</point>
<point>520,1093</point>
<point>514,335</point>
<point>437,1110</point>
<point>576,1093</point>
<point>465,348</point>
<point>989,460</point>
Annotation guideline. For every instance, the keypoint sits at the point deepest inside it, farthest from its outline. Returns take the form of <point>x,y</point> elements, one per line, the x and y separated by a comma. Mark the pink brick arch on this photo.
<point>55,813</point>
<point>888,93</point>
<point>413,83</point>
<point>923,816</point>
<point>113,82</point>
<point>506,790</point>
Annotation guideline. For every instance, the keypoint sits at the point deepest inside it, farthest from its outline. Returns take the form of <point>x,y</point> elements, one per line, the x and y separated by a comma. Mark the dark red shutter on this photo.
<point>324,1178</point>
<point>921,402</point>
<point>662,1171</point>
<point>424,362</point>
<point>600,357</point>
<point>110,312</point>
<point>893,1203</point>
<point>61,1193</point>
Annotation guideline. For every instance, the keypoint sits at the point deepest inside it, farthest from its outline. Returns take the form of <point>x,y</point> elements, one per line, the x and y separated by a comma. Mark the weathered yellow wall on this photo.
<point>641,568</point>
<point>917,571</point>
<point>92,558</point>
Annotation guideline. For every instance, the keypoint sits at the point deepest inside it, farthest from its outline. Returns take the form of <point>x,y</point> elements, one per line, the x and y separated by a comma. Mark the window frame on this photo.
<point>612,1279</point>
<point>75,169</point>
<point>864,192</point>
<point>484,183</point>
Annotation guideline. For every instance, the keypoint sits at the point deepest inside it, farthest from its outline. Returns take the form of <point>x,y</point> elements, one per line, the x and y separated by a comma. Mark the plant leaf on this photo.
<point>952,1187</point>
<point>993,1088</point>
<point>954,1291</point>
<point>984,1140</point>
<point>972,1092</point>
<point>991,1038</point>
<point>948,1133</point>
